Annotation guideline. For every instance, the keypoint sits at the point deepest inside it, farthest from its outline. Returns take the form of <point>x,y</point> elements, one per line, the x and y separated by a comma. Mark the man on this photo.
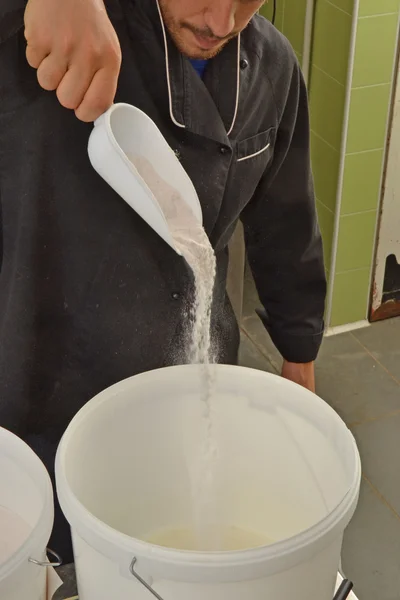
<point>89,294</point>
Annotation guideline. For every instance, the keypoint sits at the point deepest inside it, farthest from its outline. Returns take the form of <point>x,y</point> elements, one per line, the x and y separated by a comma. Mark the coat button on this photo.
<point>244,63</point>
<point>176,295</point>
<point>223,149</point>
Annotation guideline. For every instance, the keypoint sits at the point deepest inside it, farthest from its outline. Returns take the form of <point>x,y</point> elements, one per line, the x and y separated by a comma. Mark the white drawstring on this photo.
<point>167,70</point>
<point>169,81</point>
<point>237,86</point>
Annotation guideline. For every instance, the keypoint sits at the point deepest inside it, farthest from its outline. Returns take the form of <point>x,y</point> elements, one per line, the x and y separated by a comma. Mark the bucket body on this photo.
<point>287,468</point>
<point>26,506</point>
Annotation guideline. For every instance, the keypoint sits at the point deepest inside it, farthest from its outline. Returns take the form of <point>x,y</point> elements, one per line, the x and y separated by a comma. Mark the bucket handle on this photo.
<point>142,581</point>
<point>341,594</point>
<point>47,563</point>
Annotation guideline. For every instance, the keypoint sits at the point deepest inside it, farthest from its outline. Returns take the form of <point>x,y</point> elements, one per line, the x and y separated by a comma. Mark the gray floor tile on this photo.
<point>249,356</point>
<point>383,341</point>
<point>371,550</point>
<point>259,336</point>
<point>68,589</point>
<point>351,381</point>
<point>379,444</point>
<point>250,295</point>
<point>252,324</point>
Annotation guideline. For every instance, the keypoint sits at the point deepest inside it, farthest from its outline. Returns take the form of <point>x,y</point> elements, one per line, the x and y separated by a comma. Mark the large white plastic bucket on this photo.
<point>287,467</point>
<point>26,493</point>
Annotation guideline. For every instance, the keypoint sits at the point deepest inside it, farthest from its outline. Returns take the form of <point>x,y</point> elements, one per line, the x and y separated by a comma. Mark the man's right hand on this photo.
<point>76,52</point>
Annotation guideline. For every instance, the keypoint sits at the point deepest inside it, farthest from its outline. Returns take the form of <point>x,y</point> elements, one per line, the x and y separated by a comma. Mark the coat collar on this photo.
<point>210,107</point>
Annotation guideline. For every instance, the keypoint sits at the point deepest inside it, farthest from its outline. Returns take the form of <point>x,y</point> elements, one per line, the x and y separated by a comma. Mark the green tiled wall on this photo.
<point>348,296</point>
<point>351,157</point>
<point>371,88</point>
<point>361,182</point>
<point>370,102</point>
<point>290,18</point>
<point>330,58</point>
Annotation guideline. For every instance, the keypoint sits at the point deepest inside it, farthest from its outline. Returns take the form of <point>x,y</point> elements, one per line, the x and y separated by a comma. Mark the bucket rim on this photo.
<point>86,521</point>
<point>40,533</point>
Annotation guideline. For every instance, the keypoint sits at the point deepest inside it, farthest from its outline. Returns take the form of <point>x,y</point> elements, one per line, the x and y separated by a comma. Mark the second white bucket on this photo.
<point>288,470</point>
<point>26,521</point>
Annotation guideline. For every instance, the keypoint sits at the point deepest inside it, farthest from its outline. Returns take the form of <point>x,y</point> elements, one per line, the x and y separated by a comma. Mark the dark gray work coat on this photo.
<point>89,294</point>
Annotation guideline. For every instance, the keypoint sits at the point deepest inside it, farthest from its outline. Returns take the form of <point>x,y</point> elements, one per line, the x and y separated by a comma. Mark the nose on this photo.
<point>220,17</point>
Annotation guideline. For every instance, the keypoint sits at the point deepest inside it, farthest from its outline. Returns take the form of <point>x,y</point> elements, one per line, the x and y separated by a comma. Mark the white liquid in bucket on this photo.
<point>231,538</point>
<point>14,531</point>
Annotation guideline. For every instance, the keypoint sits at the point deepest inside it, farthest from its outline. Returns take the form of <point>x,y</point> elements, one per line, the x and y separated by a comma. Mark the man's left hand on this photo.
<point>302,373</point>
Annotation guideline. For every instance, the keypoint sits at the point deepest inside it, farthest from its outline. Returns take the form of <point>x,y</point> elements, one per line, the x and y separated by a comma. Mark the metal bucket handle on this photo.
<point>342,593</point>
<point>142,581</point>
<point>47,563</point>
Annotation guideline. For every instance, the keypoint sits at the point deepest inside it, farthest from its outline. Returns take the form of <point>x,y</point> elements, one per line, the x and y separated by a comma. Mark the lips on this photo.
<point>206,43</point>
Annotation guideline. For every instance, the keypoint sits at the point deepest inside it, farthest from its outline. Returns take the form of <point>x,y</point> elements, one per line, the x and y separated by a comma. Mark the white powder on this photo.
<point>192,241</point>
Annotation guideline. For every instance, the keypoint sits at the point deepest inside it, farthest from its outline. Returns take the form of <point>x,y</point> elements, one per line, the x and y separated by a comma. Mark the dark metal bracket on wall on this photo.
<point>388,305</point>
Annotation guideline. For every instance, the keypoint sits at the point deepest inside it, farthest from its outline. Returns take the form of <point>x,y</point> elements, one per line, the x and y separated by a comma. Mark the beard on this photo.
<point>179,33</point>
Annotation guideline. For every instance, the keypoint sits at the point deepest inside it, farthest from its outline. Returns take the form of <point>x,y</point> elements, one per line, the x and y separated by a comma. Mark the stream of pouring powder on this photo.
<point>192,241</point>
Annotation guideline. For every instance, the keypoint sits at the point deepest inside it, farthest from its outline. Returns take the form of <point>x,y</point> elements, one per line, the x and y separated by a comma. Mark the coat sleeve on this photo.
<point>283,240</point>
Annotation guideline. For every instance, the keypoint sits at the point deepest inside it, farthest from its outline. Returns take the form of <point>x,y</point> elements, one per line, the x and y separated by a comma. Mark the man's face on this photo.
<point>201,28</point>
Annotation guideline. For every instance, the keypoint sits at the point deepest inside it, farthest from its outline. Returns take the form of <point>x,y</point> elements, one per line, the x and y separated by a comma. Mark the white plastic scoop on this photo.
<point>125,131</point>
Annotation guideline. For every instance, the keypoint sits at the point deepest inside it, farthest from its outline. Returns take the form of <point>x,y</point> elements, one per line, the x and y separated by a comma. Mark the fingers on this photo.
<point>99,96</point>
<point>35,55</point>
<point>51,71</point>
<point>72,88</point>
<point>87,91</point>
<point>76,51</point>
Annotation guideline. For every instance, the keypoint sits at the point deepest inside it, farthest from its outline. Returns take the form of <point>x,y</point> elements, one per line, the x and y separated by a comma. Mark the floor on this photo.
<point>358,374</point>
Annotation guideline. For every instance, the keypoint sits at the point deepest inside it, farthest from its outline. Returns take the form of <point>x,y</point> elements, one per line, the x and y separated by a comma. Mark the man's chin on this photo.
<point>195,52</point>
<point>201,55</point>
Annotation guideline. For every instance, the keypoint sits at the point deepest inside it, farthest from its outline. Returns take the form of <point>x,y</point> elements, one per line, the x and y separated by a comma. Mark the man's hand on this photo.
<point>303,374</point>
<point>76,51</point>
